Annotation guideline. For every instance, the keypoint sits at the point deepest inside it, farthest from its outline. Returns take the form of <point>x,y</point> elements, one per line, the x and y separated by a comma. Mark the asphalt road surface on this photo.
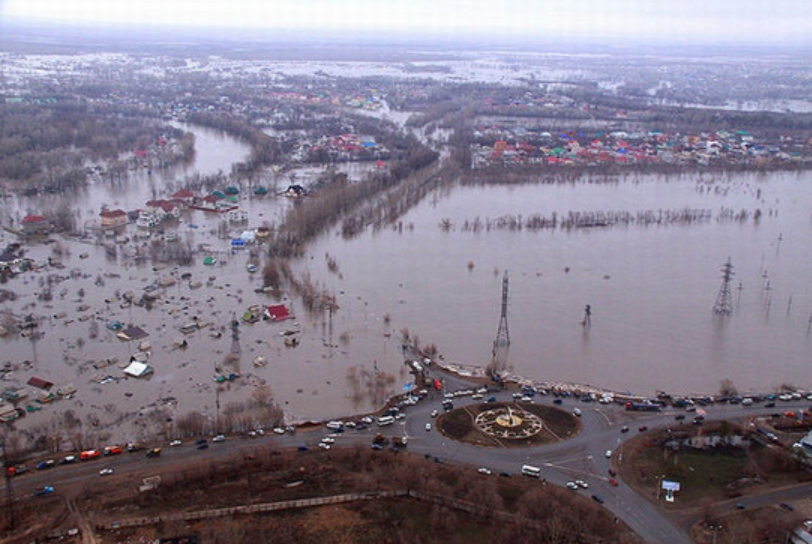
<point>582,457</point>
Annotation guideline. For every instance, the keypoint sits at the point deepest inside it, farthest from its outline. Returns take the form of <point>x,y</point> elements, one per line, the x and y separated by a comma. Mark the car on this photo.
<point>484,470</point>
<point>44,490</point>
<point>581,483</point>
<point>302,448</point>
<point>377,447</point>
<point>68,459</point>
<point>679,417</point>
<point>642,428</point>
<point>573,486</point>
<point>113,450</point>
<point>361,427</point>
<point>770,404</point>
<point>624,429</point>
<point>434,413</point>
<point>741,506</point>
<point>613,482</point>
<point>328,440</point>
<point>576,412</point>
<point>203,446</point>
<point>219,438</point>
<point>367,420</point>
<point>279,430</point>
<point>324,446</point>
<point>154,452</point>
<point>106,471</point>
<point>175,443</point>
<point>428,426</point>
<point>608,454</point>
<point>557,401</point>
<point>44,465</point>
<point>787,507</point>
<point>87,455</point>
<point>506,474</point>
<point>598,499</point>
<point>612,472</point>
<point>201,441</point>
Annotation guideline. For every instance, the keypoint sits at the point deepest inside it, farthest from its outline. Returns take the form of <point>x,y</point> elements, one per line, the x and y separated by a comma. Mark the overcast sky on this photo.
<point>742,21</point>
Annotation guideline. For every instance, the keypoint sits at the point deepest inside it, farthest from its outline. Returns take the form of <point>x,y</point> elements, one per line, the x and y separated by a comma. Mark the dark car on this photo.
<point>203,446</point>
<point>506,474</point>
<point>598,499</point>
<point>642,428</point>
<point>43,465</point>
<point>679,417</point>
<point>787,507</point>
<point>557,401</point>
<point>770,404</point>
<point>741,506</point>
<point>624,429</point>
<point>302,448</point>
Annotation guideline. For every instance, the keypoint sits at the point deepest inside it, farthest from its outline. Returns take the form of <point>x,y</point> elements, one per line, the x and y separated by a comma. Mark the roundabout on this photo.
<point>508,422</point>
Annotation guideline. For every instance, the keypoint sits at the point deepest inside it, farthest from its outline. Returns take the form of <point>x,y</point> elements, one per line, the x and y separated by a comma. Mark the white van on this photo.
<point>533,472</point>
<point>383,421</point>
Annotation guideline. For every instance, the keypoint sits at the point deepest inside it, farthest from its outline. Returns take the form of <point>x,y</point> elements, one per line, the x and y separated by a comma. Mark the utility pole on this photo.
<point>12,519</point>
<point>502,340</point>
<point>724,300</point>
<point>502,333</point>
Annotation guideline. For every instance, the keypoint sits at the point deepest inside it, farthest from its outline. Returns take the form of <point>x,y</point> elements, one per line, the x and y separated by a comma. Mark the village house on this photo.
<point>35,224</point>
<point>113,218</point>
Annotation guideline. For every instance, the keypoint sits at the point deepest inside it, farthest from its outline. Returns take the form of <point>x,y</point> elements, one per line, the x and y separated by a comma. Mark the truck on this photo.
<point>643,407</point>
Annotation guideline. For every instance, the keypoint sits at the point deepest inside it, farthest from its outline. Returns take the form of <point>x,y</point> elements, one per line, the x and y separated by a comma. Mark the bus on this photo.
<point>385,420</point>
<point>533,472</point>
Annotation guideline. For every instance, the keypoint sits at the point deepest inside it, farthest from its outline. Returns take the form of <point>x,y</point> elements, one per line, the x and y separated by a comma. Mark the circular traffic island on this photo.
<point>508,424</point>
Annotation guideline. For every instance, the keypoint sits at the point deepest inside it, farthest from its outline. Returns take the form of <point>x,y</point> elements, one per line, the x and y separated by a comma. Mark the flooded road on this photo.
<point>651,289</point>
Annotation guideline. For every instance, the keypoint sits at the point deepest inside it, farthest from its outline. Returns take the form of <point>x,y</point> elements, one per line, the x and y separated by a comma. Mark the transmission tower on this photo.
<point>502,333</point>
<point>724,300</point>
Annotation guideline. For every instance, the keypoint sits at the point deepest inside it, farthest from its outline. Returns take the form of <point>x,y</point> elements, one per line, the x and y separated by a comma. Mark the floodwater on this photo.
<point>651,290</point>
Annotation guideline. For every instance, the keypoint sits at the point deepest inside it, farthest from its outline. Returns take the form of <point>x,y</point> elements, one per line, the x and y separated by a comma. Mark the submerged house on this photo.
<point>35,224</point>
<point>113,218</point>
<point>137,369</point>
<point>278,312</point>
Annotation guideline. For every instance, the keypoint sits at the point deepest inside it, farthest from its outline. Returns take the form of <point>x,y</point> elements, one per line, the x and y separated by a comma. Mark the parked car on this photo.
<point>106,471</point>
<point>598,499</point>
<point>175,443</point>
<point>484,470</point>
<point>219,438</point>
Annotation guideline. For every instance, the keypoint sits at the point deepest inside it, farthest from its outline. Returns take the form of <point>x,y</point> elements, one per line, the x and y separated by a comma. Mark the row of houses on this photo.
<point>619,147</point>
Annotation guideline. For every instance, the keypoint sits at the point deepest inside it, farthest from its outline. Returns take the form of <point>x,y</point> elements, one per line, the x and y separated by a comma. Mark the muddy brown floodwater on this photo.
<point>651,289</point>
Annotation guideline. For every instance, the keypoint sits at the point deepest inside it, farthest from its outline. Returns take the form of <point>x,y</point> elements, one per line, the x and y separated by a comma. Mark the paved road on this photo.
<point>581,457</point>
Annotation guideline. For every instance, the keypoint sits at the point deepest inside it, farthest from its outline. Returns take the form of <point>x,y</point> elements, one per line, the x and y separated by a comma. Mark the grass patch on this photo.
<point>459,425</point>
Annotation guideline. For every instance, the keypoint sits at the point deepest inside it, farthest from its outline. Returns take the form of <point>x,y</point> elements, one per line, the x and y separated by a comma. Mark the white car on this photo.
<point>484,470</point>
<point>608,454</point>
<point>175,443</point>
<point>428,426</point>
<point>324,446</point>
<point>434,413</point>
<point>581,483</point>
<point>219,438</point>
<point>279,430</point>
<point>105,472</point>
<point>576,411</point>
<point>572,485</point>
<point>328,440</point>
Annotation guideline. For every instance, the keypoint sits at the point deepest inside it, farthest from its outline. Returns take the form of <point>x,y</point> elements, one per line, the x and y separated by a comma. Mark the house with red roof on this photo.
<point>35,224</point>
<point>113,218</point>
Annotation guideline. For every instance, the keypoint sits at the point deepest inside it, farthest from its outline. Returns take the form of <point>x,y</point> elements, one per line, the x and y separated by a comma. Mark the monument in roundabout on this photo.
<point>509,422</point>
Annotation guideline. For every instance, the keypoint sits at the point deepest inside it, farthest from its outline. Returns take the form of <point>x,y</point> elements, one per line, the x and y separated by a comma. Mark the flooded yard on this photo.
<point>438,274</point>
